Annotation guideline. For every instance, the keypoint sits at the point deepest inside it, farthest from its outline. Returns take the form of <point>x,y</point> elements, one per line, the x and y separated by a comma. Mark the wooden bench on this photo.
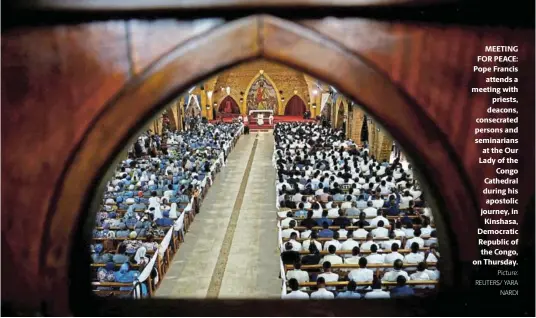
<point>349,266</point>
<point>341,252</point>
<point>345,283</point>
<point>326,239</point>
<point>344,269</point>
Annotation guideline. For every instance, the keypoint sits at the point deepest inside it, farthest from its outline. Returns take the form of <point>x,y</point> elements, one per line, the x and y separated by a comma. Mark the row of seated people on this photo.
<point>350,236</point>
<point>146,197</point>
<point>338,253</point>
<point>368,200</point>
<point>353,207</point>
<point>376,289</point>
<point>402,225</point>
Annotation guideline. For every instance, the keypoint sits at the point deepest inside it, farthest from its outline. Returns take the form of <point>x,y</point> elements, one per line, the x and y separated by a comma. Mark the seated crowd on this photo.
<point>163,177</point>
<point>348,221</point>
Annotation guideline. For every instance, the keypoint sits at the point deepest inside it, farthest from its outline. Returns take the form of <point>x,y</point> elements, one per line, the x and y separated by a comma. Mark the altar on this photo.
<point>260,115</point>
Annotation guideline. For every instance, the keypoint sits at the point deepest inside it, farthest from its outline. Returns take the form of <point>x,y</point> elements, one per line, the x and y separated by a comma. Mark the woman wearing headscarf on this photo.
<point>107,273</point>
<point>125,275</point>
<point>98,257</point>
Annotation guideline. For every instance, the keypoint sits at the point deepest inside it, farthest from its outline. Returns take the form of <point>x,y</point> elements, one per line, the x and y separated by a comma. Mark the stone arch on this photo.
<point>243,106</point>
<point>255,37</point>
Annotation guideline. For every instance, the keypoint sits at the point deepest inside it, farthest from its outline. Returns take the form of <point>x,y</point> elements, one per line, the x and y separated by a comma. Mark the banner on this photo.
<point>324,100</point>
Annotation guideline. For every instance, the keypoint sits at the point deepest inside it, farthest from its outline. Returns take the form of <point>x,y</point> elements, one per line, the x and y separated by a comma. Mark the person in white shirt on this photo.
<point>350,243</point>
<point>377,202</point>
<point>432,273</point>
<point>391,276</point>
<point>416,239</point>
<point>328,275</point>
<point>393,256</point>
<point>415,256</point>
<point>368,243</point>
<point>420,274</point>
<point>399,232</point>
<point>380,231</point>
<point>426,228</point>
<point>307,233</point>
<point>314,237</point>
<point>295,293</point>
<point>433,254</point>
<point>286,221</point>
<point>169,192</point>
<point>360,233</point>
<point>343,233</point>
<point>370,211</point>
<point>334,211</point>
<point>154,200</point>
<point>334,242</point>
<point>374,257</point>
<point>296,246</point>
<point>432,239</point>
<point>354,259</point>
<point>287,232</point>
<point>332,258</point>
<point>386,245</point>
<point>348,203</point>
<point>404,200</point>
<point>298,274</point>
<point>362,274</point>
<point>377,292</point>
<point>408,229</point>
<point>322,293</point>
<point>379,217</point>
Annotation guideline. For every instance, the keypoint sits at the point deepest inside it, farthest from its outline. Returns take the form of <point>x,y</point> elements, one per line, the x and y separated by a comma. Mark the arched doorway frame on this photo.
<point>252,37</point>
<point>340,99</point>
<point>224,97</point>
<point>243,105</point>
<point>295,95</point>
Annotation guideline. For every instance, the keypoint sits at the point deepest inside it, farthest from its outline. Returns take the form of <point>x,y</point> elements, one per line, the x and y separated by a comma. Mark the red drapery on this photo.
<point>229,105</point>
<point>295,106</point>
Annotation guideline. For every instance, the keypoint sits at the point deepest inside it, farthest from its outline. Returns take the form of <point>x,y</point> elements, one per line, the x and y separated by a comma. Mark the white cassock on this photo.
<point>271,119</point>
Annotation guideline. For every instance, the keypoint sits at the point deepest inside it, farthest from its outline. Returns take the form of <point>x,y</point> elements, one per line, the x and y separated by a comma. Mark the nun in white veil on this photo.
<point>140,257</point>
<point>144,176</point>
<point>173,211</point>
<point>157,211</point>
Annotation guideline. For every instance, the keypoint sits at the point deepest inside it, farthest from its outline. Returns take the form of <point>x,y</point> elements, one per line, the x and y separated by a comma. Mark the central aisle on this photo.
<point>230,250</point>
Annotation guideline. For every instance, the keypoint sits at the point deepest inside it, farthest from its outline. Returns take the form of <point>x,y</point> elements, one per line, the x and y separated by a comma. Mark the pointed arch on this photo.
<point>341,102</point>
<point>295,106</point>
<point>193,109</point>
<point>278,110</point>
<point>228,105</point>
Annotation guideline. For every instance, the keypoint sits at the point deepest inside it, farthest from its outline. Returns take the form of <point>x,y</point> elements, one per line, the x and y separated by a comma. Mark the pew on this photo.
<point>325,239</point>
<point>344,269</point>
<point>350,266</point>
<point>392,284</point>
<point>341,252</point>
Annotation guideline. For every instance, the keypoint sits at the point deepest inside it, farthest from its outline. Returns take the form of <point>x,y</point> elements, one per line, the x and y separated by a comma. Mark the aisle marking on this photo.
<point>217,276</point>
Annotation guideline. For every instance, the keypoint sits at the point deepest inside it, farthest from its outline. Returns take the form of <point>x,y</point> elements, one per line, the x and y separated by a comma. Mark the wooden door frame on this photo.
<point>243,40</point>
